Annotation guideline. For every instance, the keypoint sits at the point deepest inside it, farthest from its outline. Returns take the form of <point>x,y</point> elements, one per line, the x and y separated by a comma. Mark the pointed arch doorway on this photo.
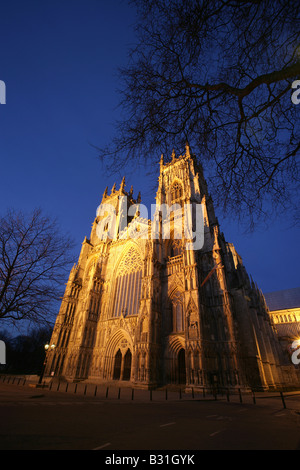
<point>117,365</point>
<point>127,365</point>
<point>181,367</point>
<point>122,365</point>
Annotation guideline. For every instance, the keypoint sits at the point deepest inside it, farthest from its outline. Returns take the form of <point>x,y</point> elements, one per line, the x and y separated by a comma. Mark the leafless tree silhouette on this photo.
<point>34,263</point>
<point>217,73</point>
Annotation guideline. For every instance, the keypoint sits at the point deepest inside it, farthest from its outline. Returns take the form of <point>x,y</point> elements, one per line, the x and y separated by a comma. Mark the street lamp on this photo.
<point>47,347</point>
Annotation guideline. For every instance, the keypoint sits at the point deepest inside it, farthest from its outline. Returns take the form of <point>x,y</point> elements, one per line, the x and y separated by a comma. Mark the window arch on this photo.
<point>177,313</point>
<point>176,192</point>
<point>175,247</point>
<point>128,284</point>
<point>178,317</point>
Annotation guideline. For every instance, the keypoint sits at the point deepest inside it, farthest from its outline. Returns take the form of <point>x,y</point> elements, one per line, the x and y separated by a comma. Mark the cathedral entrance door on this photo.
<point>181,367</point>
<point>127,365</point>
<point>117,366</point>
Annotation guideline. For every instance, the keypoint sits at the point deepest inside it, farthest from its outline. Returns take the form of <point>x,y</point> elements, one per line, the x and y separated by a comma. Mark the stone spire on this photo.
<point>105,193</point>
<point>122,186</point>
<point>187,149</point>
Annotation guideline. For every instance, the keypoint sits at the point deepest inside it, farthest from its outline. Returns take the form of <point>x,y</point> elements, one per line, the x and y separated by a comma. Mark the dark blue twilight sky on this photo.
<point>59,60</point>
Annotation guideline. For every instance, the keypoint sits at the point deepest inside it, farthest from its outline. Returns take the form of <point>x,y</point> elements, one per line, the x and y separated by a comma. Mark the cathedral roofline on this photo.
<point>115,193</point>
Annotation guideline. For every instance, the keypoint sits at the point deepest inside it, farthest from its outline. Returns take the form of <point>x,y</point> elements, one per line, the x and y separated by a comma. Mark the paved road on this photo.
<point>39,419</point>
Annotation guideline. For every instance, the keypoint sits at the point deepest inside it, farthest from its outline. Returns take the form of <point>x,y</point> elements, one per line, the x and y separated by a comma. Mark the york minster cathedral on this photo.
<point>147,311</point>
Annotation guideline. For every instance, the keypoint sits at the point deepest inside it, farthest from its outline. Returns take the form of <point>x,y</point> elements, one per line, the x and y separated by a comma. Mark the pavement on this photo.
<point>89,418</point>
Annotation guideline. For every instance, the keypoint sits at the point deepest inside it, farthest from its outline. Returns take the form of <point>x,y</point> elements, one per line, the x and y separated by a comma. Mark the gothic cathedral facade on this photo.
<point>148,312</point>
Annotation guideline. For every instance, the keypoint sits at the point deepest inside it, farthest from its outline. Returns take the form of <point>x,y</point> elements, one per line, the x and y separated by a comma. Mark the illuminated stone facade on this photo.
<point>147,312</point>
<point>284,310</point>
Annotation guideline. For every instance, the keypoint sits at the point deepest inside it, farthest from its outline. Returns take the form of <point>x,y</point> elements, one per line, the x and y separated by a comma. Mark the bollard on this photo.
<point>253,396</point>
<point>85,390</point>
<point>180,395</point>
<point>67,386</point>
<point>240,394</point>
<point>58,386</point>
<point>166,393</point>
<point>228,397</point>
<point>132,394</point>
<point>106,392</point>
<point>282,399</point>
<point>119,394</point>
<point>150,395</point>
<point>193,395</point>
<point>75,388</point>
<point>95,392</point>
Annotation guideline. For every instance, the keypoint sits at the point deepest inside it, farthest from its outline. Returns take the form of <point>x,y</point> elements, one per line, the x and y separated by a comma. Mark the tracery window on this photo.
<point>128,285</point>
<point>175,248</point>
<point>177,313</point>
<point>176,192</point>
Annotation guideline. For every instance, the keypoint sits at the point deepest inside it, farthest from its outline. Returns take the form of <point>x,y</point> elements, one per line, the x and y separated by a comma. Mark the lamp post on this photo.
<point>47,347</point>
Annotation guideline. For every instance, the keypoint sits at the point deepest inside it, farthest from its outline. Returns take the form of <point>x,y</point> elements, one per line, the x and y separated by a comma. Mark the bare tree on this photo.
<point>219,74</point>
<point>34,261</point>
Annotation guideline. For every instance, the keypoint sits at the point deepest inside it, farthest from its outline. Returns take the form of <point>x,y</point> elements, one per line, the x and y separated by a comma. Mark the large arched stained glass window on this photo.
<point>128,285</point>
